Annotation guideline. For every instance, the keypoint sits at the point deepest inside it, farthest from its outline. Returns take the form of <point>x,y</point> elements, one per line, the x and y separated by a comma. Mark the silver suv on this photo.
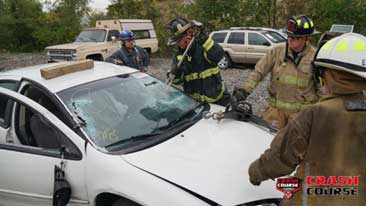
<point>246,44</point>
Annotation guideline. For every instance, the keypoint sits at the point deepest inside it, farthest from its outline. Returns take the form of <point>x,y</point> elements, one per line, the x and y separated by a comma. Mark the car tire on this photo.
<point>225,62</point>
<point>124,202</point>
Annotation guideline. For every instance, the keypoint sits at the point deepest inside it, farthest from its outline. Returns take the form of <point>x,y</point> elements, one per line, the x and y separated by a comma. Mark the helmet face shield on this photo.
<point>300,27</point>
<point>291,25</point>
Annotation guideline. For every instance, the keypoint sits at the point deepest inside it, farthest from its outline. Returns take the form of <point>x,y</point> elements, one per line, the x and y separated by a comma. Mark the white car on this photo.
<point>124,138</point>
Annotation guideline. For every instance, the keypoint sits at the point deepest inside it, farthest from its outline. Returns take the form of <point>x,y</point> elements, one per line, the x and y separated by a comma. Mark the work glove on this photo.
<point>144,69</point>
<point>169,75</point>
<point>199,32</point>
<point>118,62</point>
<point>240,94</point>
<point>254,174</point>
<point>201,37</point>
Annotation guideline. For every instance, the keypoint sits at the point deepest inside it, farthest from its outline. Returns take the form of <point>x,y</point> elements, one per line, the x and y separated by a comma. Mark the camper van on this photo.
<point>100,42</point>
<point>143,30</point>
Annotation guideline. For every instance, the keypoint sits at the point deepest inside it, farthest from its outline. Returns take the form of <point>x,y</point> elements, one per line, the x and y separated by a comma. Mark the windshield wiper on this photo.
<point>93,39</point>
<point>78,118</point>
<point>185,118</point>
<point>141,137</point>
<point>188,113</point>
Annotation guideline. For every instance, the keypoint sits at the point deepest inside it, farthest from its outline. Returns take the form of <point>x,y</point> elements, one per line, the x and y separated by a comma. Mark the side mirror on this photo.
<point>61,187</point>
<point>266,44</point>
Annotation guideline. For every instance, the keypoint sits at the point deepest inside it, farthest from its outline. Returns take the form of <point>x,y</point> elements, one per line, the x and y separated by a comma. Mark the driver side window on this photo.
<point>111,33</point>
<point>34,133</point>
<point>34,130</point>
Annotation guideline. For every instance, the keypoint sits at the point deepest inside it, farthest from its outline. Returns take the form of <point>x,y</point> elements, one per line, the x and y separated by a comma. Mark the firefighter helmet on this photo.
<point>125,35</point>
<point>177,28</point>
<point>346,53</point>
<point>300,26</point>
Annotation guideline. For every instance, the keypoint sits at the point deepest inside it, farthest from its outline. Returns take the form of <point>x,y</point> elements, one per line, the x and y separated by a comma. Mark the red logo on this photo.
<point>291,26</point>
<point>288,186</point>
<point>332,185</point>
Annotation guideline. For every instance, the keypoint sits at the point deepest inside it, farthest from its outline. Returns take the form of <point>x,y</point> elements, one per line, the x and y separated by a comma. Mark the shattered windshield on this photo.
<point>95,35</point>
<point>118,108</point>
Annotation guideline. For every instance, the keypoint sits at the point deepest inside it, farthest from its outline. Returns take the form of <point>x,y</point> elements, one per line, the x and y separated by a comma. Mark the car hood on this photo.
<point>211,158</point>
<point>72,46</point>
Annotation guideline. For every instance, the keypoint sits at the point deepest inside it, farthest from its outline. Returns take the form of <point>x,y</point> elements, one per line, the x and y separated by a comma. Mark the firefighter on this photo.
<point>291,87</point>
<point>130,54</point>
<point>328,138</point>
<point>199,72</point>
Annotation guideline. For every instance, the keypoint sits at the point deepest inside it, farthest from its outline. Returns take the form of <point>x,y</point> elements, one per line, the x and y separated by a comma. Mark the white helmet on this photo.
<point>346,52</point>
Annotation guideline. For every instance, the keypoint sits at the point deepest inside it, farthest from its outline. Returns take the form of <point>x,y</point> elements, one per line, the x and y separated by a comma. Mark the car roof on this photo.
<point>100,70</point>
<point>253,29</point>
<point>248,29</point>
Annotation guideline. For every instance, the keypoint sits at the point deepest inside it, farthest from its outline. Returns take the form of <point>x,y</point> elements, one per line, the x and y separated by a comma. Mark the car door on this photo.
<point>28,158</point>
<point>13,85</point>
<point>236,47</point>
<point>257,46</point>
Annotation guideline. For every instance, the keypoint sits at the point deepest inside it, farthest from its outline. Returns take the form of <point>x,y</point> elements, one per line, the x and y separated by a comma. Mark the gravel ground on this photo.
<point>159,66</point>
<point>233,77</point>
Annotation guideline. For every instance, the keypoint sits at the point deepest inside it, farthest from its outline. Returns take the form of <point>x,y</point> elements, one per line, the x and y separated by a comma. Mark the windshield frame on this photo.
<point>133,147</point>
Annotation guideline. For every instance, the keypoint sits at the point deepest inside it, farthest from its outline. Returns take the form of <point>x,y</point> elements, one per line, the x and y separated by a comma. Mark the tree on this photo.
<point>62,23</point>
<point>217,14</point>
<point>328,12</point>
<point>17,23</point>
<point>132,9</point>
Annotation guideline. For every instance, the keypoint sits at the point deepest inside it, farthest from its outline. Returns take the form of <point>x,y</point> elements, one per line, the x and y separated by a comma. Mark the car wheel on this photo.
<point>124,202</point>
<point>225,62</point>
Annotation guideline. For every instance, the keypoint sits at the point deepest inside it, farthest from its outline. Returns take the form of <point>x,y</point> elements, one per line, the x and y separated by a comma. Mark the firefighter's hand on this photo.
<point>240,94</point>
<point>201,37</point>
<point>254,174</point>
<point>254,181</point>
<point>168,74</point>
<point>118,62</point>
<point>145,68</point>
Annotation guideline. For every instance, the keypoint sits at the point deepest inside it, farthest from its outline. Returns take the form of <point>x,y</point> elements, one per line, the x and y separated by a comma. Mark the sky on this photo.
<point>94,4</point>
<point>99,4</point>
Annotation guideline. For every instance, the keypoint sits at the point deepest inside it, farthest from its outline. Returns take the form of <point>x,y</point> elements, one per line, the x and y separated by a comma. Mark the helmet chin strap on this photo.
<point>287,48</point>
<point>286,52</point>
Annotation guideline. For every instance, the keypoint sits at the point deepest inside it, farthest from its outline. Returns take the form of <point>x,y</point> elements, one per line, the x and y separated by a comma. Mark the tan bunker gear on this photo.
<point>328,140</point>
<point>291,88</point>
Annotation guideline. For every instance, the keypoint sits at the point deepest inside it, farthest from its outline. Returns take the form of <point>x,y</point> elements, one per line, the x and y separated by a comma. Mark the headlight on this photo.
<point>73,53</point>
<point>48,53</point>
